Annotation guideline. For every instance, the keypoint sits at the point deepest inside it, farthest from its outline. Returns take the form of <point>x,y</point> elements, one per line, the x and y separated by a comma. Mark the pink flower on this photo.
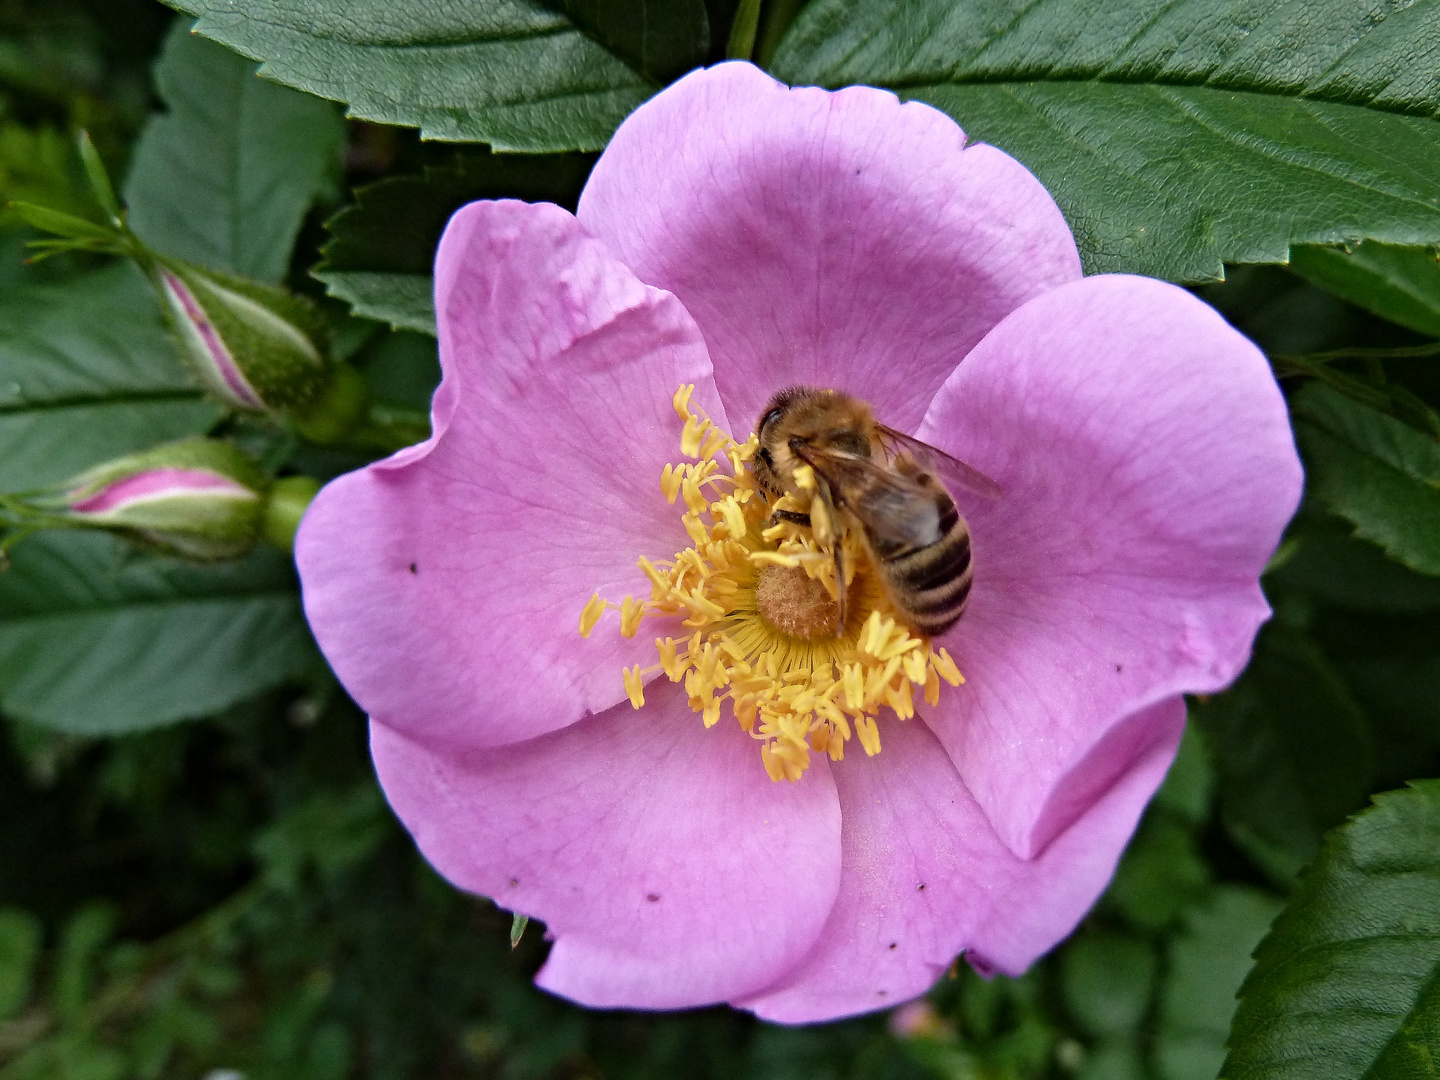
<point>741,237</point>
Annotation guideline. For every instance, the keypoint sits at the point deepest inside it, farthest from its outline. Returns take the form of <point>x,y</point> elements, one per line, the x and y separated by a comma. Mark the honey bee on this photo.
<point>881,483</point>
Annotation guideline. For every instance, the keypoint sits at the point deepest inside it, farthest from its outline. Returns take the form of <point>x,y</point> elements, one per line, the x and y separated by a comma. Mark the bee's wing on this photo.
<point>954,471</point>
<point>898,513</point>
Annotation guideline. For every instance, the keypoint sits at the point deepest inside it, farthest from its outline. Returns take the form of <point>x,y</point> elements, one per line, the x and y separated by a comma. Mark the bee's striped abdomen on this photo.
<point>932,583</point>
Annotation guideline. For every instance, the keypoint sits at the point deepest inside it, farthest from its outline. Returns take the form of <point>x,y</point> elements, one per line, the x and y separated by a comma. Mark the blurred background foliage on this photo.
<point>230,896</point>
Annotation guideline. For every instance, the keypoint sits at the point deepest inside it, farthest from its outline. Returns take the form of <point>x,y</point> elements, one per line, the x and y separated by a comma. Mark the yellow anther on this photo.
<point>775,558</point>
<point>694,498</point>
<point>714,442</point>
<point>711,713</point>
<point>669,659</point>
<point>869,734</point>
<point>631,612</point>
<point>590,614</point>
<point>681,400</point>
<point>734,518</point>
<point>932,686</point>
<point>699,533</point>
<point>694,431</point>
<point>854,683</point>
<point>657,579</point>
<point>635,686</point>
<point>945,667</point>
<point>804,477</point>
<point>670,481</point>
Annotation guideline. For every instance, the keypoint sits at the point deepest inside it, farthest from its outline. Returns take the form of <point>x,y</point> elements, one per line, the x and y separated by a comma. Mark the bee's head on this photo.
<point>774,460</point>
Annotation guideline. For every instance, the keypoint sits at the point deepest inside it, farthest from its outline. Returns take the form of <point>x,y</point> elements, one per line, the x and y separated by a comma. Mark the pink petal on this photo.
<point>1149,469</point>
<point>445,585</point>
<point>669,868</point>
<point>908,823</point>
<point>836,239</point>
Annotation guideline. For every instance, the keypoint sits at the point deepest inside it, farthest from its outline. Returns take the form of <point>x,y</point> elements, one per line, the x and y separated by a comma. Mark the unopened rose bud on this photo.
<point>201,498</point>
<point>256,347</point>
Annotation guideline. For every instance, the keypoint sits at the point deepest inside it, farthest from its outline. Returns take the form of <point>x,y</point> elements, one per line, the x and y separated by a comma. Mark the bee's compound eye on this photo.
<point>771,417</point>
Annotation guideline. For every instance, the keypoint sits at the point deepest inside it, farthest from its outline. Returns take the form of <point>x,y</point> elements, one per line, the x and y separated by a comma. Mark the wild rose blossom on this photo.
<point>738,237</point>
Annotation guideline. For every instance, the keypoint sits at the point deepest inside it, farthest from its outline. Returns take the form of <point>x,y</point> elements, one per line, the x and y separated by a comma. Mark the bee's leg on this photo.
<point>794,517</point>
<point>839,554</point>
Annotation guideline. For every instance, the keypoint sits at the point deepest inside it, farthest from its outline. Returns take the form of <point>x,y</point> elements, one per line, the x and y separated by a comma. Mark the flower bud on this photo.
<point>201,498</point>
<point>256,347</point>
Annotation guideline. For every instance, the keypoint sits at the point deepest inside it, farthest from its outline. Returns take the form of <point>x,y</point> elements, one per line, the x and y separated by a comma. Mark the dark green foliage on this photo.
<point>1346,984</point>
<point>383,245</point>
<point>224,177</point>
<point>98,639</point>
<point>1292,750</point>
<point>89,374</point>
<point>661,39</point>
<point>1174,136</point>
<point>1401,284</point>
<point>1376,472</point>
<point>511,73</point>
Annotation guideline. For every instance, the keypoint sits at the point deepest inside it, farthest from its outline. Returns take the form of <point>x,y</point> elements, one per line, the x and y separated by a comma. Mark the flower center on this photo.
<point>794,603</point>
<point>758,598</point>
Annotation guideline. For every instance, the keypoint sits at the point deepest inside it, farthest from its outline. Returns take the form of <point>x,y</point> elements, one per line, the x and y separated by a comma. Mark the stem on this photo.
<point>1306,360</point>
<point>742,31</point>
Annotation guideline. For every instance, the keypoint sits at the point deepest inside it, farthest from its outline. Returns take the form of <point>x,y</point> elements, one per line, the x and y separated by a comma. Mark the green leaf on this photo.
<point>224,178</point>
<point>88,373</point>
<point>1190,784</point>
<point>1175,136</point>
<point>1333,565</point>
<point>40,165</point>
<point>1292,751</point>
<point>382,247</point>
<point>330,832</point>
<point>96,639</point>
<point>20,936</point>
<point>1401,284</point>
<point>84,935</point>
<point>1114,1059</point>
<point>661,39</point>
<point>1208,961</point>
<point>1376,472</point>
<point>405,301</point>
<point>1161,872</point>
<point>1347,984</point>
<point>1107,980</point>
<point>510,73</point>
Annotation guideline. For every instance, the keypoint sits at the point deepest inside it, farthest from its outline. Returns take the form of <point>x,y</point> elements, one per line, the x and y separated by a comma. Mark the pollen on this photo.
<point>750,615</point>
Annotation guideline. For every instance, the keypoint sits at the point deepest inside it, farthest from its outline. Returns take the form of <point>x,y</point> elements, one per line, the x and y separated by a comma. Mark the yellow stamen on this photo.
<point>631,612</point>
<point>635,686</point>
<point>594,608</point>
<point>796,682</point>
